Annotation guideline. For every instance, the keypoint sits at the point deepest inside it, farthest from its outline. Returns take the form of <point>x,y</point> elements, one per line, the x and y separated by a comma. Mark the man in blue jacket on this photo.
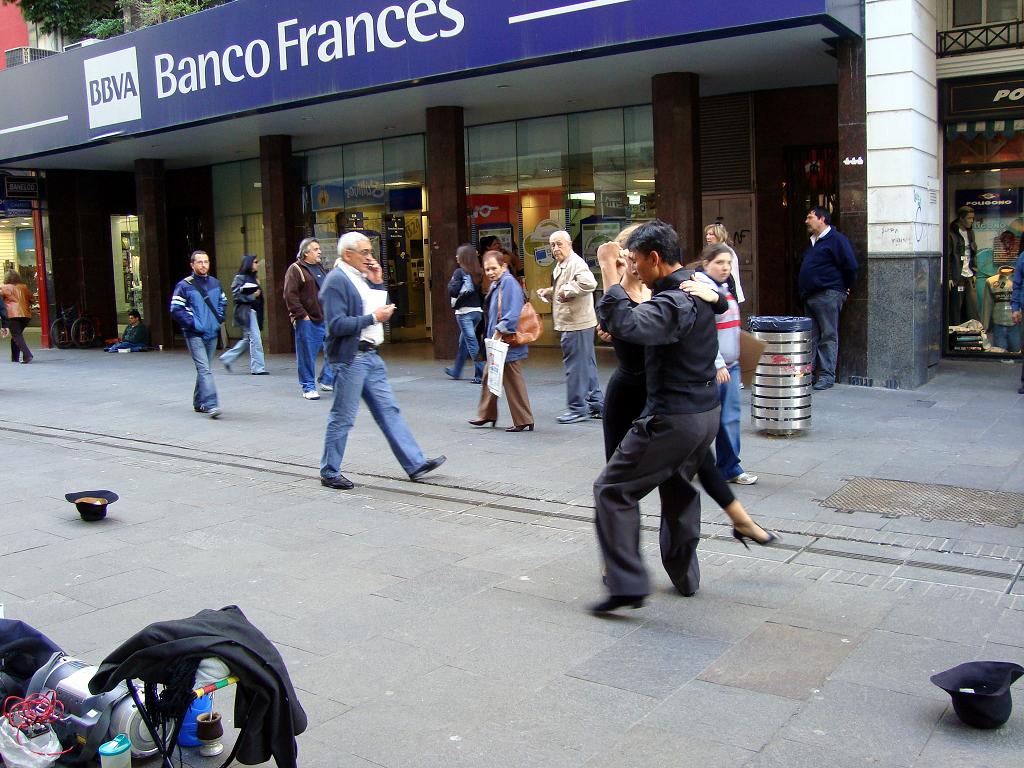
<point>354,299</point>
<point>1017,303</point>
<point>197,306</point>
<point>827,274</point>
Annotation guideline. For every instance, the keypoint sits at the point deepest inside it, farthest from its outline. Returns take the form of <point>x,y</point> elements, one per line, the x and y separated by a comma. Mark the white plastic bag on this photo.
<point>20,752</point>
<point>496,352</point>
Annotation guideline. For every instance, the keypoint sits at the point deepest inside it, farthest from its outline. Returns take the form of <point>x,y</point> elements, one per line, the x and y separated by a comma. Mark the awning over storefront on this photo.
<point>253,57</point>
<point>988,129</point>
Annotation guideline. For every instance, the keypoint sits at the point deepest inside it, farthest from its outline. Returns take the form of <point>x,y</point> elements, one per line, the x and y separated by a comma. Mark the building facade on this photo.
<point>438,122</point>
<point>980,73</point>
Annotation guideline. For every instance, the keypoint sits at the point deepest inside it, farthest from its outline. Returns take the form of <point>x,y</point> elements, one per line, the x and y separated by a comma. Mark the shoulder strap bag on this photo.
<point>529,326</point>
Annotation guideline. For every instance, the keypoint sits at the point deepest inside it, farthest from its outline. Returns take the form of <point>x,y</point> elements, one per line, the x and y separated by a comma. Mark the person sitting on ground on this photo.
<point>136,335</point>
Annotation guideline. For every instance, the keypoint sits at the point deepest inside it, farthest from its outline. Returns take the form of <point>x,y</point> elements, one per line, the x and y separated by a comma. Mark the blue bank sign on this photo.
<point>255,55</point>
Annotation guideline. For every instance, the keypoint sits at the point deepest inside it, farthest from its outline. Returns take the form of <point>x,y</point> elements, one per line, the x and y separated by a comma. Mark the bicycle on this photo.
<point>73,328</point>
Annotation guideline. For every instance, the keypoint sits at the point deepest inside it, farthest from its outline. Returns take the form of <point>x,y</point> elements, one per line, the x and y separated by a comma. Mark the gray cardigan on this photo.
<point>344,317</point>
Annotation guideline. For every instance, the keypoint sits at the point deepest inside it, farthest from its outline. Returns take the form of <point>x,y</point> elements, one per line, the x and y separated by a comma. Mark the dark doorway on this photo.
<point>811,181</point>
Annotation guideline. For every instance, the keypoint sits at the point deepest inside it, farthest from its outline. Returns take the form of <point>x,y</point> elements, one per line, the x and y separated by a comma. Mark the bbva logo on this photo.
<point>112,88</point>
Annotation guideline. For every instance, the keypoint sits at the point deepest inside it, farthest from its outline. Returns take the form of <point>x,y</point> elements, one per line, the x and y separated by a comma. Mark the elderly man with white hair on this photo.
<point>572,298</point>
<point>355,306</point>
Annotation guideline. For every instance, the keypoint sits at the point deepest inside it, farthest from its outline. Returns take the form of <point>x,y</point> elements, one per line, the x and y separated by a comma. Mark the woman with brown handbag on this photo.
<point>505,305</point>
<point>18,301</point>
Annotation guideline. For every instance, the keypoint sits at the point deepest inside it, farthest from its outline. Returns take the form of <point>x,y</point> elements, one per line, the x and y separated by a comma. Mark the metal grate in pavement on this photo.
<point>898,498</point>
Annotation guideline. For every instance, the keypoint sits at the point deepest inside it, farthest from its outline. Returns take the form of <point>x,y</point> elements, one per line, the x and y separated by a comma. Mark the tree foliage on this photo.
<point>104,18</point>
<point>145,13</point>
<point>69,16</point>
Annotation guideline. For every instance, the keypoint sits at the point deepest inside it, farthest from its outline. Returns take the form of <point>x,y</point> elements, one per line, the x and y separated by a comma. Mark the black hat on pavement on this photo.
<point>980,691</point>
<point>92,505</point>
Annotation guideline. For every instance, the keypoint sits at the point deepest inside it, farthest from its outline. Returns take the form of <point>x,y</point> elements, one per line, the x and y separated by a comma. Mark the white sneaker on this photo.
<point>311,395</point>
<point>743,478</point>
<point>326,387</point>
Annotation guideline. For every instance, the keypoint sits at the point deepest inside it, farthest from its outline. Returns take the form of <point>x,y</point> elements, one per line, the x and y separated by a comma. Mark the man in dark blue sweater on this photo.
<point>827,274</point>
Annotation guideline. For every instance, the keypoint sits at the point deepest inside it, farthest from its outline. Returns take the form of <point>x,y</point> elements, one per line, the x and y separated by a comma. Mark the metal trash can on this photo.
<point>780,401</point>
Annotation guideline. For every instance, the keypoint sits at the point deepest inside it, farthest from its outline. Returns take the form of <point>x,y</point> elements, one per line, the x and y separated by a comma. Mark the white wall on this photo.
<point>903,134</point>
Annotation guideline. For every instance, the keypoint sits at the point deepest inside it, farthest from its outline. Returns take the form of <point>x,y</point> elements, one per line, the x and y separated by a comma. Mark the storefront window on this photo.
<point>597,178</point>
<point>18,249</point>
<point>542,146</point>
<point>238,221</point>
<point>124,238</point>
<point>638,131</point>
<point>376,187</point>
<point>492,177</point>
<point>528,178</point>
<point>984,240</point>
<point>589,173</point>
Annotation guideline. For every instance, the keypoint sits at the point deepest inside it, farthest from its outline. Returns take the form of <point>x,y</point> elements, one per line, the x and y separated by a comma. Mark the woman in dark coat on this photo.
<point>245,287</point>
<point>467,301</point>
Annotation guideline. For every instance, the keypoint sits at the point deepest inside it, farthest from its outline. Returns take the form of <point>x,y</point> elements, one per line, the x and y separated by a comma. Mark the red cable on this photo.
<point>37,709</point>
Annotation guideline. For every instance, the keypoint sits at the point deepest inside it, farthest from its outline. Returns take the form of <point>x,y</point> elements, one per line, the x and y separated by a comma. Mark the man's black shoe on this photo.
<point>429,466</point>
<point>618,601</point>
<point>338,482</point>
<point>1021,390</point>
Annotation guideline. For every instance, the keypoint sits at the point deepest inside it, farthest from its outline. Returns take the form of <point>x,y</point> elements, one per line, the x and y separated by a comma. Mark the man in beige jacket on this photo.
<point>572,299</point>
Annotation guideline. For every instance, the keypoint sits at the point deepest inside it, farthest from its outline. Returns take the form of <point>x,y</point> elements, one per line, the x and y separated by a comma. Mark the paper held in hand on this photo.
<point>496,352</point>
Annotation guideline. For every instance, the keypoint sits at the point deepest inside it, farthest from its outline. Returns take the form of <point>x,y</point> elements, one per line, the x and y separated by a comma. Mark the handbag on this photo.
<point>527,329</point>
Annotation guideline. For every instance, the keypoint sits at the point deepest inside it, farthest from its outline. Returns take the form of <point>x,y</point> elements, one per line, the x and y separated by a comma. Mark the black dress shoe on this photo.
<point>430,466</point>
<point>618,601</point>
<point>338,482</point>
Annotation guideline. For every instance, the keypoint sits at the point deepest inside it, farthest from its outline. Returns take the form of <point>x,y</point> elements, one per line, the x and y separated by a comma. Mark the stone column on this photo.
<point>281,235</point>
<point>851,215</point>
<point>449,225</point>
<point>151,203</point>
<point>676,108</point>
<point>903,277</point>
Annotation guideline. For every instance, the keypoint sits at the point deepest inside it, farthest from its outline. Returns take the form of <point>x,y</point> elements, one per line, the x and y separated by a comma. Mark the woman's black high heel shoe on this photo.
<point>773,538</point>
<point>521,428</point>
<point>483,422</point>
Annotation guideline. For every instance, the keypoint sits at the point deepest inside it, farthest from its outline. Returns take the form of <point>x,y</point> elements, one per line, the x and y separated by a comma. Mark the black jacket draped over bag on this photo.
<point>266,708</point>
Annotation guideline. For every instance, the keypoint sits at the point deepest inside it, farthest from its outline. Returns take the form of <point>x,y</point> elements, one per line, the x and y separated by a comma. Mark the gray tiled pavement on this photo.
<point>443,623</point>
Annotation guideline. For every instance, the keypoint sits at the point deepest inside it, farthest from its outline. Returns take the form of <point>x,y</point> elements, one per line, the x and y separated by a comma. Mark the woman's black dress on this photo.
<point>624,398</point>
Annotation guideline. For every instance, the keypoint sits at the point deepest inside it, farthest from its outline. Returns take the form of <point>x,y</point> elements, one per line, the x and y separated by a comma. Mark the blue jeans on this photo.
<point>823,309</point>
<point>583,390</point>
<point>469,347</point>
<point>205,394</point>
<point>366,378</point>
<point>1007,337</point>
<point>252,341</point>
<point>309,340</point>
<point>727,441</point>
<point>130,346</point>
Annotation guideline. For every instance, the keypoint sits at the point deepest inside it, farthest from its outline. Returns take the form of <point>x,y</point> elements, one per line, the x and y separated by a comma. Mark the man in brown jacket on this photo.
<point>302,284</point>
<point>572,300</point>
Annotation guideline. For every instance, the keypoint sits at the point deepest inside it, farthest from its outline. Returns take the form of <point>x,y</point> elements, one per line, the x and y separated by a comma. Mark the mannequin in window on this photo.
<point>996,313</point>
<point>961,268</point>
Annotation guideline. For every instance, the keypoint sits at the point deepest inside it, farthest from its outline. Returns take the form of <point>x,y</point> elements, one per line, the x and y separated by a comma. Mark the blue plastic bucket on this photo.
<point>187,736</point>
